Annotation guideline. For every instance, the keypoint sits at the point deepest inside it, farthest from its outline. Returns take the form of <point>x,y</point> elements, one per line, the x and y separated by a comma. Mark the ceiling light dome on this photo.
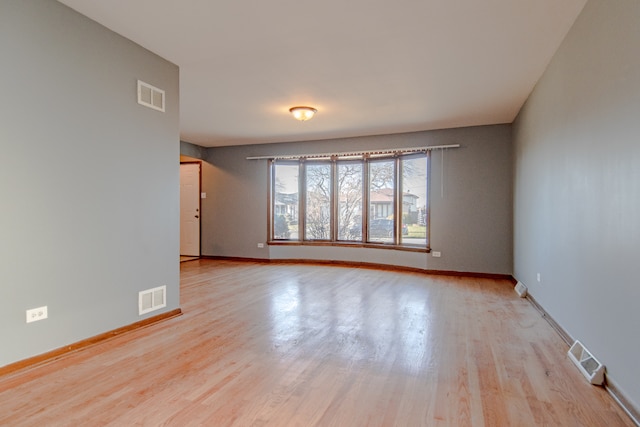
<point>302,113</point>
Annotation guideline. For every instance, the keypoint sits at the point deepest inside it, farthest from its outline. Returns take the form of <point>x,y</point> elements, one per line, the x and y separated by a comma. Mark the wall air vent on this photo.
<point>150,96</point>
<point>152,299</point>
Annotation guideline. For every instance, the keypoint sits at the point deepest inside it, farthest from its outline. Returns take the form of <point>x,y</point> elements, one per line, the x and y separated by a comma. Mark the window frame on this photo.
<point>367,237</point>
<point>336,187</point>
<point>303,214</point>
<point>402,192</point>
<point>396,243</point>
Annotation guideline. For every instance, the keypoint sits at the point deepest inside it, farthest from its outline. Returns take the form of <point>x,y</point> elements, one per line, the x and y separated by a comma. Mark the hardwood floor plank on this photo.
<point>282,344</point>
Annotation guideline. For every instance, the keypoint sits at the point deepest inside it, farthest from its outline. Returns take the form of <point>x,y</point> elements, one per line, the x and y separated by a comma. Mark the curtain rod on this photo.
<point>354,153</point>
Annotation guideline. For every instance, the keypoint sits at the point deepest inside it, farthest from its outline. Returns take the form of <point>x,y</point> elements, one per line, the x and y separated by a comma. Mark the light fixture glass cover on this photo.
<point>302,113</point>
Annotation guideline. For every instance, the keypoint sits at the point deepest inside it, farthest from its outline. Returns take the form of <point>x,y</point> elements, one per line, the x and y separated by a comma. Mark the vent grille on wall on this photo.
<point>152,299</point>
<point>150,96</point>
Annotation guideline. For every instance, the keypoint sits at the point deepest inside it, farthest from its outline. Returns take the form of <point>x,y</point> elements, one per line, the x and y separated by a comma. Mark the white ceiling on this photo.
<point>368,66</point>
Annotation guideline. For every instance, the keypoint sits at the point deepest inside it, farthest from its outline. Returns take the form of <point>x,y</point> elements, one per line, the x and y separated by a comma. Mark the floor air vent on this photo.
<point>150,96</point>
<point>586,363</point>
<point>521,289</point>
<point>152,299</point>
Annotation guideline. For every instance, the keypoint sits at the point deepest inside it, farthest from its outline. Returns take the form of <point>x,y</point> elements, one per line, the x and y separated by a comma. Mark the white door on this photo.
<point>190,209</point>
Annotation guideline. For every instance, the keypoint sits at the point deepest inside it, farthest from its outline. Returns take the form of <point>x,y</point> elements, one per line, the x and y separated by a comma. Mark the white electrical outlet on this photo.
<point>436,254</point>
<point>261,245</point>
<point>538,277</point>
<point>35,314</point>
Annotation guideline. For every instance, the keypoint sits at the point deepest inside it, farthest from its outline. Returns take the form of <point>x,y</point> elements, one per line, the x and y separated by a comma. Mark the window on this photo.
<point>379,201</point>
<point>382,200</point>
<point>317,219</point>
<point>285,202</point>
<point>350,200</point>
<point>414,201</point>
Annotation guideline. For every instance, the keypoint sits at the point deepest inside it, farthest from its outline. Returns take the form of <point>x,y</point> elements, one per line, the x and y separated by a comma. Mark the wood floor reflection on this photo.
<point>304,345</point>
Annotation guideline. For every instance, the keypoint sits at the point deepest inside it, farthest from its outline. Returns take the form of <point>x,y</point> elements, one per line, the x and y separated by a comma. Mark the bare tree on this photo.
<point>382,174</point>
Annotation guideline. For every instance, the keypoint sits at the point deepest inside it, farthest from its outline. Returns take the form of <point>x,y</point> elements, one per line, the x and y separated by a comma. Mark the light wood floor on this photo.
<point>304,345</point>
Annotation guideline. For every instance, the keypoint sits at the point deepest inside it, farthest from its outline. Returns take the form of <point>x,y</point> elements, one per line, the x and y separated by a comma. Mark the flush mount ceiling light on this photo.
<point>302,113</point>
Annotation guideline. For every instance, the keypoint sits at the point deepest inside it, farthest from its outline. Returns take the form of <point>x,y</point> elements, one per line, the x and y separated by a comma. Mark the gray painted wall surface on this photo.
<point>471,212</point>
<point>192,150</point>
<point>577,188</point>
<point>89,181</point>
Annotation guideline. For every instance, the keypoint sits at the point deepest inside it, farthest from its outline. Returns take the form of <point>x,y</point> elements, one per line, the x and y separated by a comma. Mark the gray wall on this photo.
<point>89,179</point>
<point>192,150</point>
<point>577,188</point>
<point>471,211</point>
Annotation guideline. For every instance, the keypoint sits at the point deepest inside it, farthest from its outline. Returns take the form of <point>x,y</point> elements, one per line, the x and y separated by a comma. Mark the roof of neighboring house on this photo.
<point>386,195</point>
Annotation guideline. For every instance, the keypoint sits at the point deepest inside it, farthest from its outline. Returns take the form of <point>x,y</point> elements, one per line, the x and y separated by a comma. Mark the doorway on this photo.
<point>190,209</point>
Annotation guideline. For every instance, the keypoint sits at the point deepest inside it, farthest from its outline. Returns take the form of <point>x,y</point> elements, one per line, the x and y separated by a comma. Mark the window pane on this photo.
<point>285,201</point>
<point>349,201</point>
<point>318,206</point>
<point>381,201</point>
<point>414,201</point>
